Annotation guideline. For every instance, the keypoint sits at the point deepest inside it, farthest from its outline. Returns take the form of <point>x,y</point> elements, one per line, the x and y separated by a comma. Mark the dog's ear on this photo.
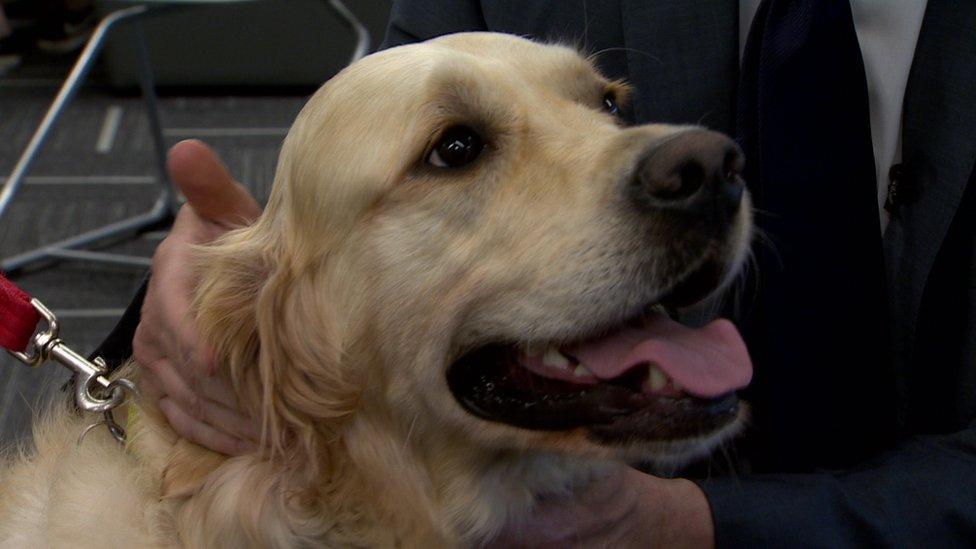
<point>270,315</point>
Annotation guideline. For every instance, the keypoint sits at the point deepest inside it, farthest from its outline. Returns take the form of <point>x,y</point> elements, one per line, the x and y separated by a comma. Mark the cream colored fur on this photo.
<point>336,315</point>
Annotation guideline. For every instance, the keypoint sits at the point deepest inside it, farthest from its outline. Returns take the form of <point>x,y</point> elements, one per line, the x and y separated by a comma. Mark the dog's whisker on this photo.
<point>598,53</point>
<point>704,117</point>
<point>586,27</point>
<point>406,439</point>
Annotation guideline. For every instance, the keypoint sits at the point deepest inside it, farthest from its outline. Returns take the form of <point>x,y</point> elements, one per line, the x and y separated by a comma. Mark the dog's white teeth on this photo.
<point>656,380</point>
<point>555,359</point>
<point>580,371</point>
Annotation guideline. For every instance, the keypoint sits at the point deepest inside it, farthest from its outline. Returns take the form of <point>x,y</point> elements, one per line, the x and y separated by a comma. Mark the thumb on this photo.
<point>198,173</point>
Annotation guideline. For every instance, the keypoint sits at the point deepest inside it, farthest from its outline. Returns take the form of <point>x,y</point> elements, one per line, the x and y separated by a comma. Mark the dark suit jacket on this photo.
<point>900,442</point>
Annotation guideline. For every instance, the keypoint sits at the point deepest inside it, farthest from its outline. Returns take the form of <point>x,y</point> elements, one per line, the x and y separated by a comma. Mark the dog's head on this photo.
<point>464,240</point>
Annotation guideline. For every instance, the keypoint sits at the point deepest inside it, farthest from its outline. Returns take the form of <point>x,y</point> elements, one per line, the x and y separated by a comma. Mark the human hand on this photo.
<point>177,370</point>
<point>626,509</point>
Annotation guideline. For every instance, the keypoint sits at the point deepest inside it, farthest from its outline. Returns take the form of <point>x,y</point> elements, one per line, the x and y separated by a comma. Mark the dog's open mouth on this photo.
<point>648,379</point>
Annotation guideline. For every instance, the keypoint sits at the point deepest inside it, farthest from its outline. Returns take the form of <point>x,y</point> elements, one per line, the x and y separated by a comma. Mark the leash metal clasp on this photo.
<point>92,390</point>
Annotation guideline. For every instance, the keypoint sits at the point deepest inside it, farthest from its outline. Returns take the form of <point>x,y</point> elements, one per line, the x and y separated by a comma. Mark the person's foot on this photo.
<point>67,34</point>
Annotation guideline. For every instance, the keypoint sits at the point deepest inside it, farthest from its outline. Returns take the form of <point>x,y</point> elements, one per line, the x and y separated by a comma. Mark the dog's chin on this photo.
<point>638,409</point>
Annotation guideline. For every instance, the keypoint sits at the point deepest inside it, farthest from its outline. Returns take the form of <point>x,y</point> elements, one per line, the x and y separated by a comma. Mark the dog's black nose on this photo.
<point>693,169</point>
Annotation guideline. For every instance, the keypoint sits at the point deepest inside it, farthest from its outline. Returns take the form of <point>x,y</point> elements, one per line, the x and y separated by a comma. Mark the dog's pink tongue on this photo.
<point>706,362</point>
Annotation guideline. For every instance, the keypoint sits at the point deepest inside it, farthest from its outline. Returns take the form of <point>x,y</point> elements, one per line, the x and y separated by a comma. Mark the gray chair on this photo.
<point>165,205</point>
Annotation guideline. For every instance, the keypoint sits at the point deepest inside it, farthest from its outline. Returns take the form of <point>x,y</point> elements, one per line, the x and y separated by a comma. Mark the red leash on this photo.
<point>94,391</point>
<point>18,317</point>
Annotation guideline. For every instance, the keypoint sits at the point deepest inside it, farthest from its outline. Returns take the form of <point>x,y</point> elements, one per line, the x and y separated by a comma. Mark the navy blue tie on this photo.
<point>817,325</point>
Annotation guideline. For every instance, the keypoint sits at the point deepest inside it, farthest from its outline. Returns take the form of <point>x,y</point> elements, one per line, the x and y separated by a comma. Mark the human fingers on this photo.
<point>221,409</point>
<point>166,324</point>
<point>216,389</point>
<point>162,332</point>
<point>198,405</point>
<point>198,172</point>
<point>201,433</point>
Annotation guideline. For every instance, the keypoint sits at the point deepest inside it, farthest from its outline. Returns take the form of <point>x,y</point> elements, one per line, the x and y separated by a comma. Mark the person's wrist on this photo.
<point>685,517</point>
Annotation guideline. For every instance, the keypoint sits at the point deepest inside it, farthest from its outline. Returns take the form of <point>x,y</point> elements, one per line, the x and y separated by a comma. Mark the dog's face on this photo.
<point>479,244</point>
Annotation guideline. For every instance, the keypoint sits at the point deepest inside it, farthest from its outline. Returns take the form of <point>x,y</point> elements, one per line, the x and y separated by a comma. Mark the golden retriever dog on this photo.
<point>448,308</point>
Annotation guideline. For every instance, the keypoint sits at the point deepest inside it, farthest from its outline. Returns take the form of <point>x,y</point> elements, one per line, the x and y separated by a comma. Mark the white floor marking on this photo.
<point>110,128</point>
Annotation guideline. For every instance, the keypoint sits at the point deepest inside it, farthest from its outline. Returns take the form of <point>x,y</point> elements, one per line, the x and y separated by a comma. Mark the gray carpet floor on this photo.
<point>98,168</point>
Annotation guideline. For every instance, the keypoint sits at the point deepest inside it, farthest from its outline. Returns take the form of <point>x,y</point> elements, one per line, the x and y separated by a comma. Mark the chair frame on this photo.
<point>166,204</point>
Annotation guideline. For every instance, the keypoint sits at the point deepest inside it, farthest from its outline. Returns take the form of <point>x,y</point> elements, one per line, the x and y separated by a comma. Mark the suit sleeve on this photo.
<point>418,20</point>
<point>922,494</point>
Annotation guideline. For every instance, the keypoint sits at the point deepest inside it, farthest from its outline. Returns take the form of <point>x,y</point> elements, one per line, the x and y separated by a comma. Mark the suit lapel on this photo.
<point>683,59</point>
<point>939,153</point>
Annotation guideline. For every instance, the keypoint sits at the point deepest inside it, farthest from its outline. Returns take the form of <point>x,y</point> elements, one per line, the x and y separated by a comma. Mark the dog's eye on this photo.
<point>610,103</point>
<point>459,145</point>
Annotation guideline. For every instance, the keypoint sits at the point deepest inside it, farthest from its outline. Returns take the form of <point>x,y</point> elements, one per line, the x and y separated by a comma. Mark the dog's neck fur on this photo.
<point>381,487</point>
<point>460,493</point>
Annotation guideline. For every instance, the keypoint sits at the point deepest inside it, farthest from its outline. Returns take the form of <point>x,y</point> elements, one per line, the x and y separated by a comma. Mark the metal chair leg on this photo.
<point>361,32</point>
<point>165,205</point>
<point>148,85</point>
<point>161,210</point>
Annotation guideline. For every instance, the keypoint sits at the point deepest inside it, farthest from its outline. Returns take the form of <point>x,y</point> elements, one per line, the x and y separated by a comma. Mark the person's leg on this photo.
<point>4,24</point>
